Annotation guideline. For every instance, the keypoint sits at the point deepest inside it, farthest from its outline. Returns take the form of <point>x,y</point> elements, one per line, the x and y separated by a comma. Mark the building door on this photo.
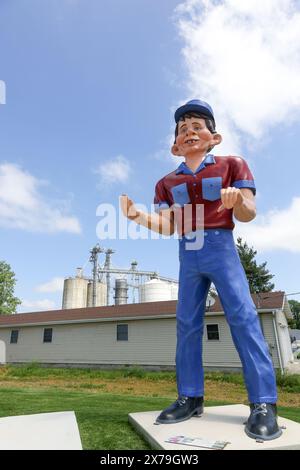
<point>2,352</point>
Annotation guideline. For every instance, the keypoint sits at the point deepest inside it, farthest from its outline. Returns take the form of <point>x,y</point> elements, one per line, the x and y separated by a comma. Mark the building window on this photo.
<point>47,335</point>
<point>14,335</point>
<point>213,332</point>
<point>122,332</point>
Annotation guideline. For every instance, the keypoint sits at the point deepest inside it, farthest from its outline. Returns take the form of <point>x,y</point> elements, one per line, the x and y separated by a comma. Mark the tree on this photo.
<point>295,308</point>
<point>8,302</point>
<point>258,276</point>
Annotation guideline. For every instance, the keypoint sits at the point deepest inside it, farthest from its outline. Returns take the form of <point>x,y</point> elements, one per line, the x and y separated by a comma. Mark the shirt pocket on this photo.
<point>180,194</point>
<point>211,188</point>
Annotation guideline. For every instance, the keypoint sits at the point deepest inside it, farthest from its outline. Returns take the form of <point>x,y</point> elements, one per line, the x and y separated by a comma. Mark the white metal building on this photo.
<point>142,334</point>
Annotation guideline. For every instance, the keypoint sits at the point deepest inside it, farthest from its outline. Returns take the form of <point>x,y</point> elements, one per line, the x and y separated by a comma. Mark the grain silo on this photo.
<point>154,291</point>
<point>82,292</point>
<point>101,294</point>
<point>121,291</point>
<point>75,292</point>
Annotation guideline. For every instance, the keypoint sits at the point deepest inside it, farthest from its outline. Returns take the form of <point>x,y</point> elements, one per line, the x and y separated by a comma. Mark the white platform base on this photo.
<point>46,431</point>
<point>218,423</point>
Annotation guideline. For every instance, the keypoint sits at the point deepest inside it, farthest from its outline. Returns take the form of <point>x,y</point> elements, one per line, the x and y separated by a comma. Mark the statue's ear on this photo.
<point>175,150</point>
<point>217,139</point>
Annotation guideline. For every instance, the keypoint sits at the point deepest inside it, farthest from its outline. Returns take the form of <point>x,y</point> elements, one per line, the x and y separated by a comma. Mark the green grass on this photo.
<point>289,383</point>
<point>34,369</point>
<point>102,418</point>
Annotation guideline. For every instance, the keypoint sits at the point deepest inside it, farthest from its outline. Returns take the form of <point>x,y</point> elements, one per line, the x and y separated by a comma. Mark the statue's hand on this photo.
<point>128,207</point>
<point>230,197</point>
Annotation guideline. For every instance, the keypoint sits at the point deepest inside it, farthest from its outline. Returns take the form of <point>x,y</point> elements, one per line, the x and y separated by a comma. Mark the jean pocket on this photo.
<point>180,194</point>
<point>221,239</point>
<point>211,188</point>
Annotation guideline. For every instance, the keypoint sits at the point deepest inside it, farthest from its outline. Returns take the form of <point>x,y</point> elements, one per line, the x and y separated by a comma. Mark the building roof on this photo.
<point>265,302</point>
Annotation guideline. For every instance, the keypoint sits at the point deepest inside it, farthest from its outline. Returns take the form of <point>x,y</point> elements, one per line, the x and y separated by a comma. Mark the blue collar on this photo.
<point>209,159</point>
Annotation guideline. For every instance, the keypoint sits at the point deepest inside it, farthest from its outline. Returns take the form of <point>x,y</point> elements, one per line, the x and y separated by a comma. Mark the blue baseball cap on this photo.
<point>197,106</point>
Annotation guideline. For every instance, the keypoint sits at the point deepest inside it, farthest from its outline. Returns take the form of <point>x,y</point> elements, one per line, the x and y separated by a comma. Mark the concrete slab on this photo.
<point>218,423</point>
<point>45,431</point>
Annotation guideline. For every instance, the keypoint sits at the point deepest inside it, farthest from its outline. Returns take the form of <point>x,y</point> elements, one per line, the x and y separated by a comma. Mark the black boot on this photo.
<point>183,409</point>
<point>262,422</point>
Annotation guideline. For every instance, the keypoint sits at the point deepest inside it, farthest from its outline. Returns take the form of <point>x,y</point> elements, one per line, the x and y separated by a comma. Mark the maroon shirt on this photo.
<point>183,187</point>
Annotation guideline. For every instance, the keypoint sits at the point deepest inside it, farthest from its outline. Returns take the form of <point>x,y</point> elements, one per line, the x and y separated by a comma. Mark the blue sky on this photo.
<point>91,87</point>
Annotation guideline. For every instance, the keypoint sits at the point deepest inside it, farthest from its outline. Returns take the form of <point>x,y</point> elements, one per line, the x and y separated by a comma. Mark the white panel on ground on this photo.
<point>218,423</point>
<point>45,431</point>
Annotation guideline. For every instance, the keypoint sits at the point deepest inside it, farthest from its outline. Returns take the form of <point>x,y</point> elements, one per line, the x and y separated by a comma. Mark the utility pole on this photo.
<point>94,260</point>
<point>107,266</point>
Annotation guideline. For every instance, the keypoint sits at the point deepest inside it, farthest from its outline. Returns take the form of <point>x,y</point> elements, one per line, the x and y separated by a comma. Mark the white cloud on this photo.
<point>277,230</point>
<point>55,285</point>
<point>116,170</point>
<point>243,57</point>
<point>22,206</point>
<point>37,305</point>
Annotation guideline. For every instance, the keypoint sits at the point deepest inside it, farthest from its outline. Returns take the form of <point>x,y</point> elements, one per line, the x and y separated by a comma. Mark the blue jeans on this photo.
<point>218,262</point>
